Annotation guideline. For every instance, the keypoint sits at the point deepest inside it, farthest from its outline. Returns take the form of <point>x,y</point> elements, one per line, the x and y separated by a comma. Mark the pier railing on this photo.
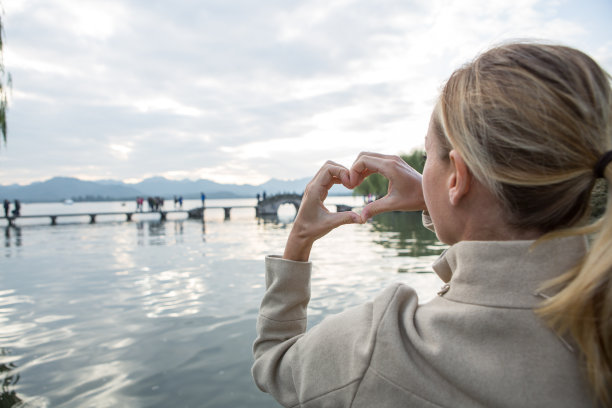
<point>194,213</point>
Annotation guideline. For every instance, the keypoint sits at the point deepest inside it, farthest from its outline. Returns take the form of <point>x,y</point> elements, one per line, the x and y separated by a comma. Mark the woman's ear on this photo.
<point>460,178</point>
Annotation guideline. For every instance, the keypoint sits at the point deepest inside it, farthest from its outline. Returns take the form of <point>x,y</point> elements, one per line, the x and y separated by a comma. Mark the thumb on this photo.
<point>345,217</point>
<point>375,207</point>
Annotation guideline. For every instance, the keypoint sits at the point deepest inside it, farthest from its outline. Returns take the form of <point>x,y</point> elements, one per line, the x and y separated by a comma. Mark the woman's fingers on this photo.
<point>375,163</point>
<point>329,174</point>
<point>313,220</point>
<point>313,217</point>
<point>369,163</point>
<point>373,154</point>
<point>405,189</point>
<point>342,218</point>
<point>376,207</point>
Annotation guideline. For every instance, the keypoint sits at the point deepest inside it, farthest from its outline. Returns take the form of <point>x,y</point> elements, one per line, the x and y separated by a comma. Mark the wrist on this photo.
<point>298,247</point>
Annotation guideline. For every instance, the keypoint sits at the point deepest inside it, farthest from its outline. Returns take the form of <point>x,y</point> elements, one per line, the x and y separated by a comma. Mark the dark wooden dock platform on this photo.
<point>194,213</point>
<point>266,207</point>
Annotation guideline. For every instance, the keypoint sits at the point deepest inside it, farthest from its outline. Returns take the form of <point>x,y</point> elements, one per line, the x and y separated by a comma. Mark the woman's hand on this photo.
<point>313,220</point>
<point>405,191</point>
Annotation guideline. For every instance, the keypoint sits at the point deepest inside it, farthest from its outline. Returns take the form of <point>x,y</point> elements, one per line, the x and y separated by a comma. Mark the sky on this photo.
<point>241,91</point>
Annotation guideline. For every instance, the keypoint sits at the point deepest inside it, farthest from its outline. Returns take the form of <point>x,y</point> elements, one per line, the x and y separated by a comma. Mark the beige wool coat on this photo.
<point>477,344</point>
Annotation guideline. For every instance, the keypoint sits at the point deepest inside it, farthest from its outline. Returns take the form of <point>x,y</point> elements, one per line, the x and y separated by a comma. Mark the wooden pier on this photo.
<point>266,207</point>
<point>194,213</point>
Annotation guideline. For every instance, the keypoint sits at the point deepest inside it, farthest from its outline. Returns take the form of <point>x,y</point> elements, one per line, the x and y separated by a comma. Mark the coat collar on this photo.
<point>505,273</point>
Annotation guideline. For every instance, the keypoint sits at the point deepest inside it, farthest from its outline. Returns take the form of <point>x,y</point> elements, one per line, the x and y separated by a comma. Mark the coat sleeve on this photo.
<point>321,367</point>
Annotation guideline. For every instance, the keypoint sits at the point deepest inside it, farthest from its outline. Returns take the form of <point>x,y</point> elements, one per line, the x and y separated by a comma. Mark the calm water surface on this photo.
<point>162,314</point>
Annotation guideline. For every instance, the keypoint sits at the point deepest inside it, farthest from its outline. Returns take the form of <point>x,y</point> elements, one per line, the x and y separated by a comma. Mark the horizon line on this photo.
<point>148,178</point>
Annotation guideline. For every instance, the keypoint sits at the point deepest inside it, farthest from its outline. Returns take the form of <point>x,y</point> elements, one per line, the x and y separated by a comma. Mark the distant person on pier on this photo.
<point>517,140</point>
<point>180,200</point>
<point>264,196</point>
<point>203,197</point>
<point>17,210</point>
<point>258,197</point>
<point>7,206</point>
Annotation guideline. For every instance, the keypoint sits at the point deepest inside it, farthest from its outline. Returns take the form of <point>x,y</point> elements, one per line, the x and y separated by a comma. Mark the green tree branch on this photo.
<point>5,83</point>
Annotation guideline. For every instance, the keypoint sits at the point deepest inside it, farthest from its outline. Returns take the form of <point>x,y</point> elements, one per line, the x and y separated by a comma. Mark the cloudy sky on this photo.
<point>242,91</point>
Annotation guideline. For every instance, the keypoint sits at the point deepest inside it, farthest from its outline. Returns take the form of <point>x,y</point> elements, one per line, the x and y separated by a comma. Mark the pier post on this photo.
<point>54,220</point>
<point>163,216</point>
<point>128,216</point>
<point>227,212</point>
<point>92,218</point>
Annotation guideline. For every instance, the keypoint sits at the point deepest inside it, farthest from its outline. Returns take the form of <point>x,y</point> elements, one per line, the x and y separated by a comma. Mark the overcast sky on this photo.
<point>242,91</point>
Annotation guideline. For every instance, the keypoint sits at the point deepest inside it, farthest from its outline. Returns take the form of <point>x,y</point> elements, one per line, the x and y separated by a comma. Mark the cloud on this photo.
<point>238,91</point>
<point>120,151</point>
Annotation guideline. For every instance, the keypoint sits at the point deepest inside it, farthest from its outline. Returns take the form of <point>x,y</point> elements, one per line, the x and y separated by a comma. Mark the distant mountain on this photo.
<point>62,188</point>
<point>160,186</point>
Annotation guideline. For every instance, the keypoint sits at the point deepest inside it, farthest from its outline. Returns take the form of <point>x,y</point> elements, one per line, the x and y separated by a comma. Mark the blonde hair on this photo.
<point>531,121</point>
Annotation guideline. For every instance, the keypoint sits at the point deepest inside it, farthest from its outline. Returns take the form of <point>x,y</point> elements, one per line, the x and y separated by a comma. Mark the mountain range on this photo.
<point>63,188</point>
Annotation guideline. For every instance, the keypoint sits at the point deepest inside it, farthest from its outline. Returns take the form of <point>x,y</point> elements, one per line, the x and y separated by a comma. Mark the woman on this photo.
<point>516,142</point>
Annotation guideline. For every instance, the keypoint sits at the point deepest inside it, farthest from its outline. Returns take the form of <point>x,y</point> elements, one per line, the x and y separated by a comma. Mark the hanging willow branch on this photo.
<point>5,84</point>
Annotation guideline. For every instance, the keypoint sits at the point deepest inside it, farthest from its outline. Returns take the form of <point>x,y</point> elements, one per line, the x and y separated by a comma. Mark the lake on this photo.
<point>162,314</point>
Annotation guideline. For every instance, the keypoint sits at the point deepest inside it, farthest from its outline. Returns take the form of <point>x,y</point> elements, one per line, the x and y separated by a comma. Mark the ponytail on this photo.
<point>583,307</point>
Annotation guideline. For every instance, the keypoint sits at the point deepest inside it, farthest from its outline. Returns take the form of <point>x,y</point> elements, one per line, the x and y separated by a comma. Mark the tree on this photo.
<point>377,185</point>
<point>5,84</point>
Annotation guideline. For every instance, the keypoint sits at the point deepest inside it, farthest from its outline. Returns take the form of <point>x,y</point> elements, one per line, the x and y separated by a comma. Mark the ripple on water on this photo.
<point>148,314</point>
<point>171,293</point>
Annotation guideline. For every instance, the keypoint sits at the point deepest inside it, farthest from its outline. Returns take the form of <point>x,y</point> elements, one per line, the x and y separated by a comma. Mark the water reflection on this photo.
<point>157,233</point>
<point>178,231</point>
<point>8,397</point>
<point>404,232</point>
<point>172,293</point>
<point>275,220</point>
<point>140,233</point>
<point>160,232</point>
<point>9,234</point>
